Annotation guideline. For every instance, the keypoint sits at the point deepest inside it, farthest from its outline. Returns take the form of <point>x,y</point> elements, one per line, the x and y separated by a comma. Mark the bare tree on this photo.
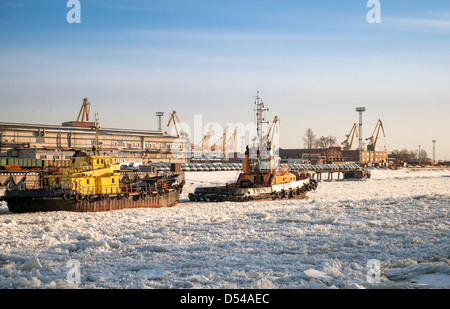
<point>423,156</point>
<point>325,142</point>
<point>309,138</point>
<point>406,155</point>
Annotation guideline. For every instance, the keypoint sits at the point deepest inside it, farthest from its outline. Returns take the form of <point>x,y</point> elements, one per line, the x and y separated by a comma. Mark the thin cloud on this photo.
<point>230,35</point>
<point>133,6</point>
<point>13,4</point>
<point>420,23</point>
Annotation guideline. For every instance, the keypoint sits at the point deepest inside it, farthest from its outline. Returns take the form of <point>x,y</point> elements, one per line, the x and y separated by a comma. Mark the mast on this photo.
<point>96,142</point>
<point>260,121</point>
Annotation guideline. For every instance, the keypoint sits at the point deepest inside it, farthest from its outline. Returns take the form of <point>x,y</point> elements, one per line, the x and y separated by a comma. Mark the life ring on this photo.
<point>143,195</point>
<point>126,195</point>
<point>78,197</point>
<point>294,193</point>
<point>66,196</point>
<point>88,198</point>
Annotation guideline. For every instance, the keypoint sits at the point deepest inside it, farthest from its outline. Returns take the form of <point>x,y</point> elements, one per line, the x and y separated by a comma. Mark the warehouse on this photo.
<point>335,155</point>
<point>59,142</point>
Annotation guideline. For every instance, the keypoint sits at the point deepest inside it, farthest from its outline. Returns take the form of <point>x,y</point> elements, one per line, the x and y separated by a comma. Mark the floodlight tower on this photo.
<point>360,110</point>
<point>159,115</point>
<point>434,151</point>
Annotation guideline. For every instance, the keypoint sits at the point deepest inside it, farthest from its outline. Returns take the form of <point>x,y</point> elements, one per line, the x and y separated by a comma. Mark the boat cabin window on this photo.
<point>87,181</point>
<point>258,179</point>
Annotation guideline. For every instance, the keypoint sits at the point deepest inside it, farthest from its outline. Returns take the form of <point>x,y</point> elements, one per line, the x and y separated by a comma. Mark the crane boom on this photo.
<point>271,134</point>
<point>231,142</point>
<point>374,138</point>
<point>176,122</point>
<point>84,111</point>
<point>204,143</point>
<point>352,134</point>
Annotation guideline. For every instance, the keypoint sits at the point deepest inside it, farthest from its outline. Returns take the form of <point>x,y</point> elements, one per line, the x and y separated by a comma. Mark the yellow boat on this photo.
<point>94,183</point>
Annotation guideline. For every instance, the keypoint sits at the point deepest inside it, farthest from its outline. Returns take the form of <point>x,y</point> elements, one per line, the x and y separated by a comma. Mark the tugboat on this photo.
<point>94,183</point>
<point>261,178</point>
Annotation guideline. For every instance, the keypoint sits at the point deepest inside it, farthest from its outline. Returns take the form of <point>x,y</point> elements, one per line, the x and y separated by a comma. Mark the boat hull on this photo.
<point>291,190</point>
<point>43,201</point>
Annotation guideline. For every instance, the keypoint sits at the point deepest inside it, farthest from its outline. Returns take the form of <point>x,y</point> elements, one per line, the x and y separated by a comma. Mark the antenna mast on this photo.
<point>96,142</point>
<point>260,121</point>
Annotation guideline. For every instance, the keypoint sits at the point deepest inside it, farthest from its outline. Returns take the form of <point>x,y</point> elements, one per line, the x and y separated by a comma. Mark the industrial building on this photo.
<point>334,155</point>
<point>364,154</point>
<point>55,143</point>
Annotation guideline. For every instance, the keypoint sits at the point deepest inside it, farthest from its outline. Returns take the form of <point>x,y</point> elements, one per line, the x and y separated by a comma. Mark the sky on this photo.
<point>313,63</point>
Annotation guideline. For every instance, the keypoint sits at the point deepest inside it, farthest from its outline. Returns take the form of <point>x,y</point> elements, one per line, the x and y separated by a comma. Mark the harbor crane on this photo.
<point>374,138</point>
<point>84,111</point>
<point>222,143</point>
<point>271,134</point>
<point>231,142</point>
<point>351,136</point>
<point>176,122</point>
<point>204,143</point>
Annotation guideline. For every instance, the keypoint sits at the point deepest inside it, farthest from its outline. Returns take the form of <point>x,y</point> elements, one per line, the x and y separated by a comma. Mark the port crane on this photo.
<point>271,134</point>
<point>176,122</point>
<point>352,134</point>
<point>221,143</point>
<point>374,138</point>
<point>204,143</point>
<point>231,142</point>
<point>84,111</point>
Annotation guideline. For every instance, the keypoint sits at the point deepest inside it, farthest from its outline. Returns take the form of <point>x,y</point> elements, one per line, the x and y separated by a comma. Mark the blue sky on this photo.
<point>312,61</point>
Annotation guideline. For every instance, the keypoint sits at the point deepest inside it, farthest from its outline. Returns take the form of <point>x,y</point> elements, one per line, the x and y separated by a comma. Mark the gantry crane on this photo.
<point>352,134</point>
<point>176,122</point>
<point>374,138</point>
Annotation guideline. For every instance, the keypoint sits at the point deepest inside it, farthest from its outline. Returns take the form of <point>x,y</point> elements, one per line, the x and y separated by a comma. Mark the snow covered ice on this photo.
<point>399,218</point>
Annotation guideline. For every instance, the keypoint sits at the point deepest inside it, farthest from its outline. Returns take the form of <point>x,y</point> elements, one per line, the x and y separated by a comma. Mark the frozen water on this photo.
<point>399,218</point>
